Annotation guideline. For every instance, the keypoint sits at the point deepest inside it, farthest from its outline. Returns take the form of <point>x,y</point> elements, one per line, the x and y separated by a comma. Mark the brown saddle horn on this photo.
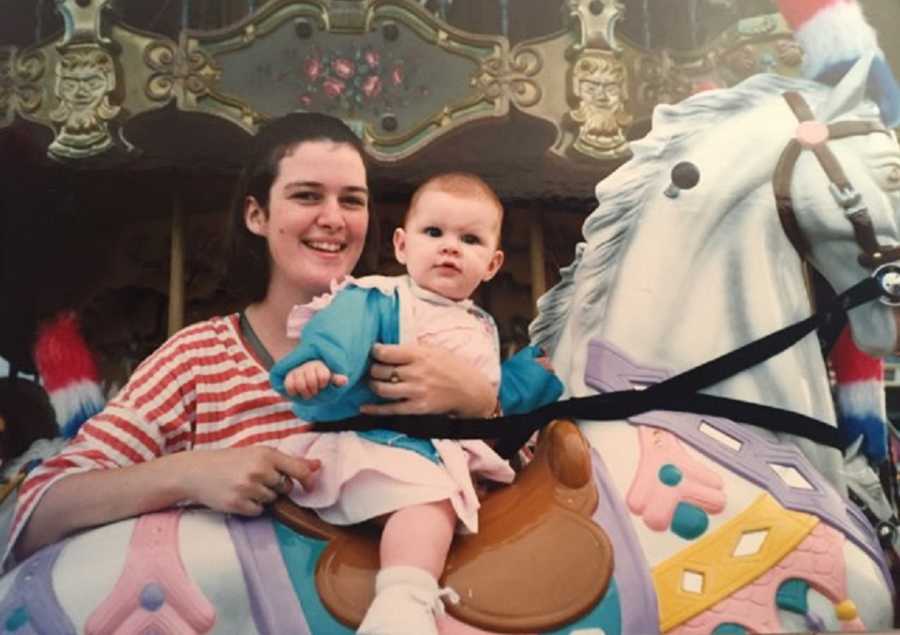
<point>538,561</point>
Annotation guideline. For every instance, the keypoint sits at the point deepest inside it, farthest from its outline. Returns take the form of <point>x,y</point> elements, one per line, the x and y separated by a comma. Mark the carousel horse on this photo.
<point>713,509</point>
<point>666,522</point>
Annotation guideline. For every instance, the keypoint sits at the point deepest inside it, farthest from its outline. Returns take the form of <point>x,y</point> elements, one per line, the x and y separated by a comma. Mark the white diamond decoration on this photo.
<point>716,434</point>
<point>791,476</point>
<point>692,582</point>
<point>750,543</point>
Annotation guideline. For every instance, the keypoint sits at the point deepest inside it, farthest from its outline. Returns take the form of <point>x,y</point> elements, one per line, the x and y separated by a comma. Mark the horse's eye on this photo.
<point>894,175</point>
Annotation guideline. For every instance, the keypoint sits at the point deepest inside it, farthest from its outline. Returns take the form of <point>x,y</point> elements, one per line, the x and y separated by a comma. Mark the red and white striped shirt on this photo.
<point>201,390</point>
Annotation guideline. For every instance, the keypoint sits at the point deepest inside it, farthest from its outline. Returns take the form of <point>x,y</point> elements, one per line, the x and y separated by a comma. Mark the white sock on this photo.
<point>411,576</point>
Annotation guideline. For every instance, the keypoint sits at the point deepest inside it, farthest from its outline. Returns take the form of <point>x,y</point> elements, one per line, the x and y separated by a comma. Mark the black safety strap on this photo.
<point>679,393</point>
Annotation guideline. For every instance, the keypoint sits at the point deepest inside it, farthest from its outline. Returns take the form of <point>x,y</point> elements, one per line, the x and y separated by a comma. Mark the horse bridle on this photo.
<point>814,135</point>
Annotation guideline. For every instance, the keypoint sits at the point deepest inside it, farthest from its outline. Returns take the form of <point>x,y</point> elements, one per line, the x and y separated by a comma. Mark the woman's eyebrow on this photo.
<point>291,184</point>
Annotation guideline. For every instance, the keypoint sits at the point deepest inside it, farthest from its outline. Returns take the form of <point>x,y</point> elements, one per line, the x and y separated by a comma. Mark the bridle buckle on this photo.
<point>888,277</point>
<point>848,198</point>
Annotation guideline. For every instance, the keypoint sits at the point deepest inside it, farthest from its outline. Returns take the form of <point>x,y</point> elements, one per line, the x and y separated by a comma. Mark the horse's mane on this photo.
<point>624,193</point>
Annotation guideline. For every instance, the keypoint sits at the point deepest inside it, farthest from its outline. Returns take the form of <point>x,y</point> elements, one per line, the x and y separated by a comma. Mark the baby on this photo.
<point>450,244</point>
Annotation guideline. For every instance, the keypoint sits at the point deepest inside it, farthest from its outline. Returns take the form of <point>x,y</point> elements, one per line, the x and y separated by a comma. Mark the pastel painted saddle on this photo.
<point>537,562</point>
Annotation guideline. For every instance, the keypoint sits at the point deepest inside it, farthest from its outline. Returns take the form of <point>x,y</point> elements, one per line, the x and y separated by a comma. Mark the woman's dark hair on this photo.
<point>247,255</point>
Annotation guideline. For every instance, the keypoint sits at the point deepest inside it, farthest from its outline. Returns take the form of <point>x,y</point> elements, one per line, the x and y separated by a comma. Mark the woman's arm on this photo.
<point>237,480</point>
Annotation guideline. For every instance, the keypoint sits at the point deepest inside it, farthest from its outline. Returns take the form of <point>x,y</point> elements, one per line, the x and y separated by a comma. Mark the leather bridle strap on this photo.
<point>873,254</point>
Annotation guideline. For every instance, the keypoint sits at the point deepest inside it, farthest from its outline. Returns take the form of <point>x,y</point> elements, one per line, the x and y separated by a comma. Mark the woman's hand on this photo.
<point>420,379</point>
<point>243,480</point>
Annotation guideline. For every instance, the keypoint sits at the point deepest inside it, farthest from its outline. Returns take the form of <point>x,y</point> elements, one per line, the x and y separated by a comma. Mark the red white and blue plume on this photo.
<point>68,372</point>
<point>860,398</point>
<point>834,34</point>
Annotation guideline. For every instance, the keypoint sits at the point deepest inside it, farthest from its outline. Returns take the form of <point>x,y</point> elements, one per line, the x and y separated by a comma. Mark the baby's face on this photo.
<point>449,244</point>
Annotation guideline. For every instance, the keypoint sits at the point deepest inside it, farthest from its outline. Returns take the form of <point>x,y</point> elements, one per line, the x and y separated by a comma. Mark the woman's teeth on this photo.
<point>319,246</point>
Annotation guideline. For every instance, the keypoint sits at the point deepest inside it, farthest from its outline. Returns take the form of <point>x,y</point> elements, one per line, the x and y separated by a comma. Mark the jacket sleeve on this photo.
<point>341,335</point>
<point>525,385</point>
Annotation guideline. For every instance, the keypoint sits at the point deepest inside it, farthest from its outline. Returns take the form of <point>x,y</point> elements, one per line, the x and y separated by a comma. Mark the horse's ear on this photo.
<point>850,91</point>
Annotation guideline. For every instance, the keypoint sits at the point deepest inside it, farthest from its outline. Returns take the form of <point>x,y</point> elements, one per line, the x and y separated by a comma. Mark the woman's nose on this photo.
<point>330,214</point>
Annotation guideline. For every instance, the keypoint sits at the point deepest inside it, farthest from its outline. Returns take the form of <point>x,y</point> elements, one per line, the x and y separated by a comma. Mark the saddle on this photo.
<point>538,561</point>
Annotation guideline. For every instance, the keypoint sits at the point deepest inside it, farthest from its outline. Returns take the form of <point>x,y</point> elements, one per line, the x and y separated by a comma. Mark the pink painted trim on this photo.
<point>818,560</point>
<point>654,501</point>
<point>153,558</point>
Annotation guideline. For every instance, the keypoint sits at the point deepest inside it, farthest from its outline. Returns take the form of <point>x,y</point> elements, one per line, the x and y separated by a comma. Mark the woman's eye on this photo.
<point>471,239</point>
<point>354,202</point>
<point>434,232</point>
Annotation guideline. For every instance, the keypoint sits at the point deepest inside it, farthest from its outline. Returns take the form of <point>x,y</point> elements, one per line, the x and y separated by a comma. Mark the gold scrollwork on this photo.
<point>659,81</point>
<point>6,84</point>
<point>511,77</point>
<point>85,80</point>
<point>174,69</point>
<point>599,84</point>
<point>28,69</point>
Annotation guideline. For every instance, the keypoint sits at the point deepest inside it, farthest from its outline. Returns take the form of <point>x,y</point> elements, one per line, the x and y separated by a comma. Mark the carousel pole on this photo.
<point>176,267</point>
<point>536,247</point>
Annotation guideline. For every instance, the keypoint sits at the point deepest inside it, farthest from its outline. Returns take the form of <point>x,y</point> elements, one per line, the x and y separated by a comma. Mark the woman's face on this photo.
<point>317,217</point>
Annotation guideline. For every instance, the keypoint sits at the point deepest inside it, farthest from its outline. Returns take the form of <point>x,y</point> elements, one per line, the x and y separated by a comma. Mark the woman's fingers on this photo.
<point>303,470</point>
<point>382,372</point>
<point>394,354</point>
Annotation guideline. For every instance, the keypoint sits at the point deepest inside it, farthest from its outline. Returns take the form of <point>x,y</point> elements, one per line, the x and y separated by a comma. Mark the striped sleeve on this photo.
<point>152,415</point>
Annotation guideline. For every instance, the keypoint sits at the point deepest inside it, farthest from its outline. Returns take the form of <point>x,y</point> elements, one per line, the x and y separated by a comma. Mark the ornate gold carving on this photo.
<point>85,79</point>
<point>511,77</point>
<point>600,85</point>
<point>27,70</point>
<point>83,21</point>
<point>177,72</point>
<point>789,52</point>
<point>7,87</point>
<point>596,28</point>
<point>658,80</point>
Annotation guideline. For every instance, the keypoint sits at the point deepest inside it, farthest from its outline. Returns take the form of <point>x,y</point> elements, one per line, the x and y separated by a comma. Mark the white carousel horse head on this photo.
<point>661,284</point>
<point>679,281</point>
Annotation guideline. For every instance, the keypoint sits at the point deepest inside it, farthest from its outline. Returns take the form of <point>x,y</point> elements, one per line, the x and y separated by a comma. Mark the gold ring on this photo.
<point>394,378</point>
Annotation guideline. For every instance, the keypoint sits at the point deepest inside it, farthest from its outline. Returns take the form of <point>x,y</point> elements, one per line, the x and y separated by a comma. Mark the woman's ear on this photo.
<point>256,218</point>
<point>494,265</point>
<point>400,245</point>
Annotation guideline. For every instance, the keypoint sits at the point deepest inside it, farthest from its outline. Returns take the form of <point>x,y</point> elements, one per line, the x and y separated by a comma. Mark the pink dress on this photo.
<point>360,479</point>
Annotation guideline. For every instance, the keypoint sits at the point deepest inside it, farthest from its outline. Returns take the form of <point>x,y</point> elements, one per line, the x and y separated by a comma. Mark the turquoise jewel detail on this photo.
<point>689,521</point>
<point>606,616</point>
<point>17,619</point>
<point>791,596</point>
<point>670,475</point>
<point>729,628</point>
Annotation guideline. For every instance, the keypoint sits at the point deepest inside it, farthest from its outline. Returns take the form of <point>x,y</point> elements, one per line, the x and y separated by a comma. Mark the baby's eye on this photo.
<point>471,239</point>
<point>434,232</point>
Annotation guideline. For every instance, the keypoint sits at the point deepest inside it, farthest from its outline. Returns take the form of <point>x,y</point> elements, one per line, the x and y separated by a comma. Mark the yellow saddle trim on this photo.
<point>707,572</point>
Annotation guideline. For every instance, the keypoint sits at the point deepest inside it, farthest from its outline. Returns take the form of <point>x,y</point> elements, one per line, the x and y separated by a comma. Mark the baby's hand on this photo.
<point>308,379</point>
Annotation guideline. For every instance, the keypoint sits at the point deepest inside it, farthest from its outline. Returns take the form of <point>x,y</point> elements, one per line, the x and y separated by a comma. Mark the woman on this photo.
<point>197,421</point>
